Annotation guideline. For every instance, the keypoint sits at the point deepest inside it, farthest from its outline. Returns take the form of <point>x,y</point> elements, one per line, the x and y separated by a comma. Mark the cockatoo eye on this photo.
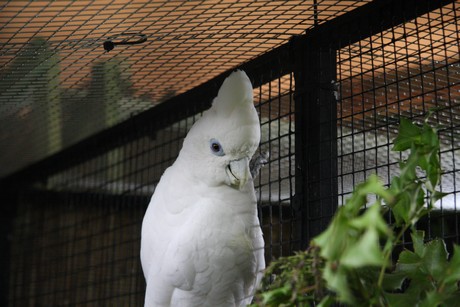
<point>216,148</point>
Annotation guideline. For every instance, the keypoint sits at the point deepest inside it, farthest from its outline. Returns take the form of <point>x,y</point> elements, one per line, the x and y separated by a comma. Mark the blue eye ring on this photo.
<point>216,148</point>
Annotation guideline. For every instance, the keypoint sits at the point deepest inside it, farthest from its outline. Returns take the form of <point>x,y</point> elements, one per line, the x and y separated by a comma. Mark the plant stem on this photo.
<point>388,253</point>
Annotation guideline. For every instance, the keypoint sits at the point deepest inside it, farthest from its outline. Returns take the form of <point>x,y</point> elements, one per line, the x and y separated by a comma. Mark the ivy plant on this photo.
<point>352,261</point>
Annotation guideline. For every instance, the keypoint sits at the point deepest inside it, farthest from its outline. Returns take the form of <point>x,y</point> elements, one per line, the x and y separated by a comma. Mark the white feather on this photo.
<point>201,240</point>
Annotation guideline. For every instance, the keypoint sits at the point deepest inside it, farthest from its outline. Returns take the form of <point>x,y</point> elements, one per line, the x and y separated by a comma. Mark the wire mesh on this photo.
<point>76,249</point>
<point>84,236</point>
<point>403,71</point>
<point>88,252</point>
<point>56,65</point>
<point>76,232</point>
<point>276,184</point>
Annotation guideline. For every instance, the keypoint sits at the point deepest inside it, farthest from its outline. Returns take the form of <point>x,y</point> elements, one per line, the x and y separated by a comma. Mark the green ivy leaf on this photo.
<point>372,218</point>
<point>408,263</point>
<point>365,252</point>
<point>334,239</point>
<point>433,298</point>
<point>429,137</point>
<point>438,195</point>
<point>393,281</point>
<point>401,209</point>
<point>453,299</point>
<point>408,133</point>
<point>417,240</point>
<point>453,270</point>
<point>401,299</point>
<point>336,279</point>
<point>277,295</point>
<point>433,173</point>
<point>435,258</point>
<point>326,301</point>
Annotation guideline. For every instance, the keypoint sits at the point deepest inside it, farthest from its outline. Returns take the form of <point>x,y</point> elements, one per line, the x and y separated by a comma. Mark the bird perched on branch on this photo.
<point>201,240</point>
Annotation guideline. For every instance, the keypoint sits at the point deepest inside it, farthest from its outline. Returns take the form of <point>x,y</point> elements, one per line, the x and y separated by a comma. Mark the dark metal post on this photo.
<point>316,135</point>
<point>8,199</point>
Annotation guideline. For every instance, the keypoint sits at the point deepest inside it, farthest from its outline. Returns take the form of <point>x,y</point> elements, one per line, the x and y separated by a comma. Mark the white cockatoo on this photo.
<point>201,240</point>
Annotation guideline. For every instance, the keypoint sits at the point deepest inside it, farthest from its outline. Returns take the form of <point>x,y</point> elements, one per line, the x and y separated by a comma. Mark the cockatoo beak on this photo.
<point>238,172</point>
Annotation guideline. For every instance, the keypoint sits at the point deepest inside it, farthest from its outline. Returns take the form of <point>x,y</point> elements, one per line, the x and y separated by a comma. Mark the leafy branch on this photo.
<point>350,262</point>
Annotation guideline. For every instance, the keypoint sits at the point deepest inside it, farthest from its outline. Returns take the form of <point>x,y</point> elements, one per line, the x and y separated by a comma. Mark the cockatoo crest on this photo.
<point>235,92</point>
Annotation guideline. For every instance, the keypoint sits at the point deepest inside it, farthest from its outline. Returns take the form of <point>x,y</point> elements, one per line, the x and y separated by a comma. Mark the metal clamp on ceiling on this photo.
<point>109,44</point>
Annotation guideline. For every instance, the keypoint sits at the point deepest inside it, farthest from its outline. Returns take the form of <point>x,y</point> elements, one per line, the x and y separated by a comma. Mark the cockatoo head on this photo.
<point>220,144</point>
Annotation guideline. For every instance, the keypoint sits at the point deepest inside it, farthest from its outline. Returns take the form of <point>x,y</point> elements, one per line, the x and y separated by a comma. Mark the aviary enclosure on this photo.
<point>85,133</point>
